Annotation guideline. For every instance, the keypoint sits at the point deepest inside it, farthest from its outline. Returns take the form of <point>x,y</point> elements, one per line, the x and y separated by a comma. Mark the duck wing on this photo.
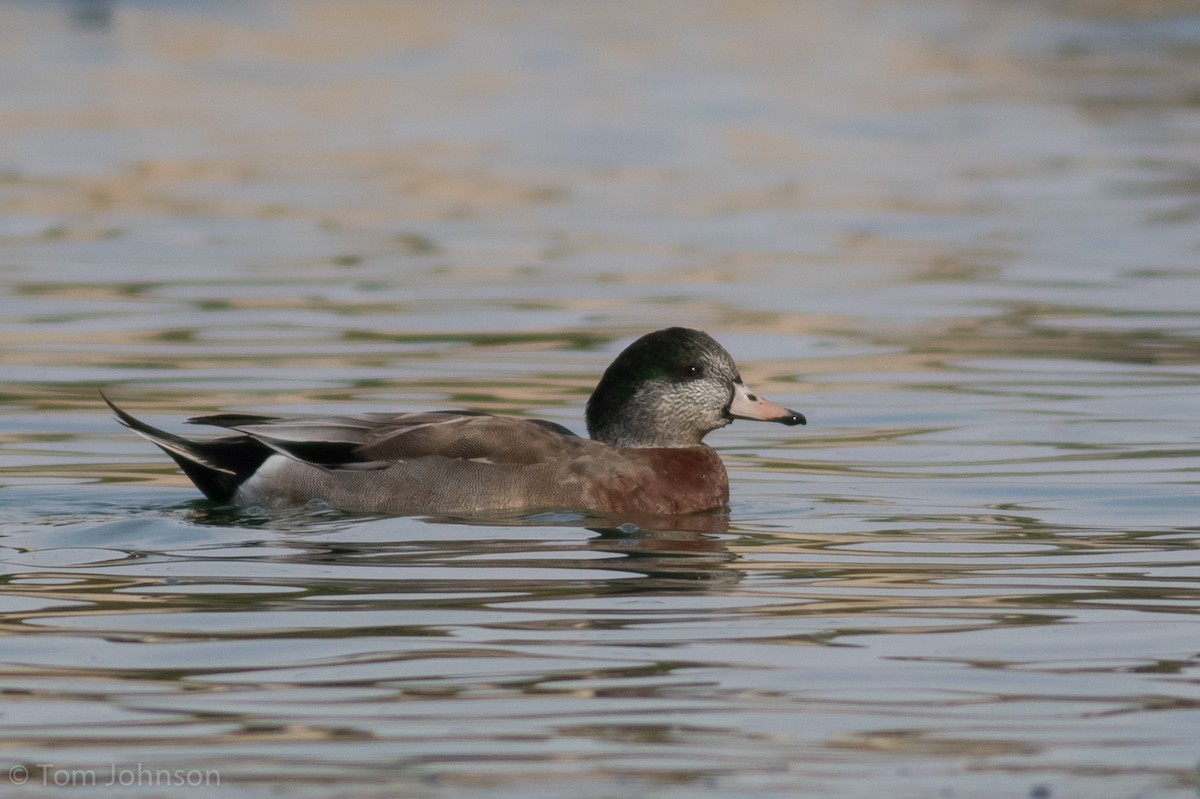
<point>376,440</point>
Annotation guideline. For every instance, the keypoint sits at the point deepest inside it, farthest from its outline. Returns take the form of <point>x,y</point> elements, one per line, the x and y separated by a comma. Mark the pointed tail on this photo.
<point>217,466</point>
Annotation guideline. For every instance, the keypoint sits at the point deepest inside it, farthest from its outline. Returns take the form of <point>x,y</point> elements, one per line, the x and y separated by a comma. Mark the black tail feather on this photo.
<point>217,466</point>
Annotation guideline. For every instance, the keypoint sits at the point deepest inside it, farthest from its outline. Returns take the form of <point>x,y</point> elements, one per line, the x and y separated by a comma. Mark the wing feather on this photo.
<point>376,440</point>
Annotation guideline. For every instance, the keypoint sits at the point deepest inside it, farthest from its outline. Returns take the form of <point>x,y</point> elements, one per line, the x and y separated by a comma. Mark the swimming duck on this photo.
<point>646,420</point>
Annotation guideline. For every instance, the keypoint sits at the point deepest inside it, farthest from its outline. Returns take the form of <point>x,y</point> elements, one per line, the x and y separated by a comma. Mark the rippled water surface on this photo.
<point>963,237</point>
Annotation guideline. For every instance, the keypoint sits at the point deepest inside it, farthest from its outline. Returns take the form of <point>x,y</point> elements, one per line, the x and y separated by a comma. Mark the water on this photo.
<point>961,236</point>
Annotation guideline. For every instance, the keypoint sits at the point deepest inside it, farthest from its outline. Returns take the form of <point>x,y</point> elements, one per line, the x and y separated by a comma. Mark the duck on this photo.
<point>644,454</point>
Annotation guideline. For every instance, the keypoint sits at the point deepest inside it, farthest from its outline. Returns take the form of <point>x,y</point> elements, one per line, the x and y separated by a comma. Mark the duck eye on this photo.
<point>690,370</point>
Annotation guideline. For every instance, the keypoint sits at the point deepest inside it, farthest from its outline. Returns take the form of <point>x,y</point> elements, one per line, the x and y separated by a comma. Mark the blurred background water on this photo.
<point>963,237</point>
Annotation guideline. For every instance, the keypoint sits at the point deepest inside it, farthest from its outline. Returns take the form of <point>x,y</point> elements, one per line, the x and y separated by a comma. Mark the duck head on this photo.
<point>672,387</point>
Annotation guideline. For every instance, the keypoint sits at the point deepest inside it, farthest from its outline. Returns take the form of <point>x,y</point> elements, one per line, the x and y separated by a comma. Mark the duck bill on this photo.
<point>748,405</point>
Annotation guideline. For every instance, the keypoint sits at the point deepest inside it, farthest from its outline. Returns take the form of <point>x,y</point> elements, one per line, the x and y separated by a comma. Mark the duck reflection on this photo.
<point>690,548</point>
